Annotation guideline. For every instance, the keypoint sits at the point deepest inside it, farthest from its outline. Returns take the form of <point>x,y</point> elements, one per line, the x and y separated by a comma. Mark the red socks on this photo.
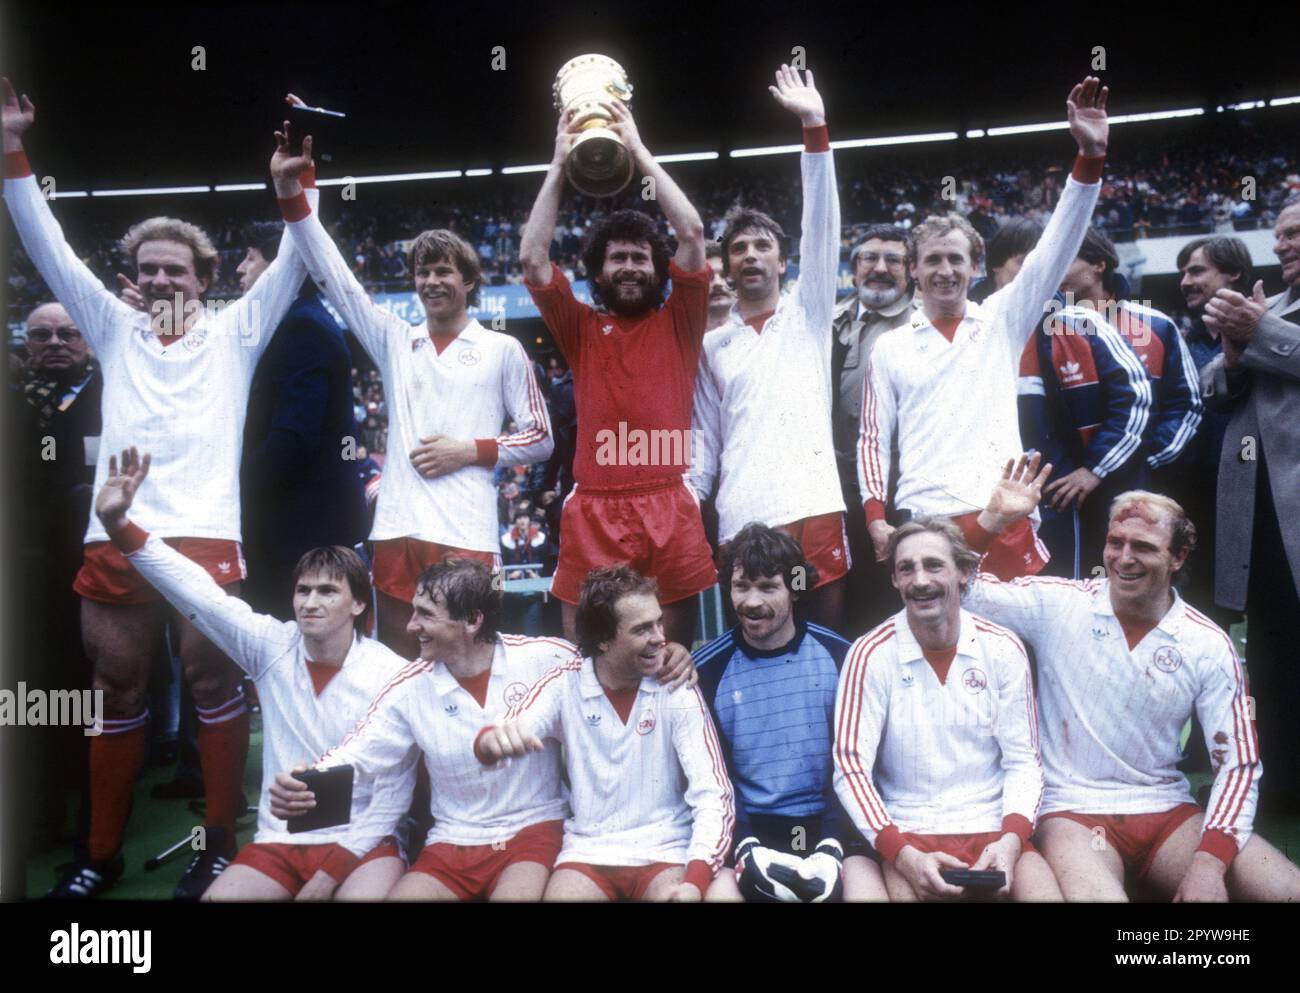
<point>223,749</point>
<point>116,758</point>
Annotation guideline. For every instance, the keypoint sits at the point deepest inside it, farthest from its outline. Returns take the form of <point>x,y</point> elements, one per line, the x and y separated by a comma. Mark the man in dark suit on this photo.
<point>1257,564</point>
<point>299,478</point>
<point>54,419</point>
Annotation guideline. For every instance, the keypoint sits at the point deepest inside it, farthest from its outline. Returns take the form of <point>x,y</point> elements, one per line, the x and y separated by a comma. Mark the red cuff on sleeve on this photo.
<point>339,863</point>
<point>308,177</point>
<point>979,539</point>
<point>817,139</point>
<point>295,208</point>
<point>1087,169</point>
<point>1018,824</point>
<point>478,754</point>
<point>130,539</point>
<point>875,511</point>
<point>487,452</point>
<point>1220,844</point>
<point>699,874</point>
<point>16,165</point>
<point>890,842</point>
<point>555,275</point>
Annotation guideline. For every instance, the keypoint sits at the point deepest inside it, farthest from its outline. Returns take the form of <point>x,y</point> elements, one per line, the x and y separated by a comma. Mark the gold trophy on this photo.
<point>599,164</point>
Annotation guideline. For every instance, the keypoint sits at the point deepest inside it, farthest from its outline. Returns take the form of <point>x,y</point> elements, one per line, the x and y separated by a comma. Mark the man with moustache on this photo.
<point>1207,265</point>
<point>881,301</point>
<point>770,685</point>
<point>634,363</point>
<point>936,734</point>
<point>721,295</point>
<point>1257,566</point>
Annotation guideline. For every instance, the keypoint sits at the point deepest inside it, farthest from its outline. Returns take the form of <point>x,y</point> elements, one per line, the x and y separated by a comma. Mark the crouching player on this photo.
<point>1122,663</point>
<point>770,685</point>
<point>652,805</point>
<point>314,676</point>
<point>936,737</point>
<point>495,835</point>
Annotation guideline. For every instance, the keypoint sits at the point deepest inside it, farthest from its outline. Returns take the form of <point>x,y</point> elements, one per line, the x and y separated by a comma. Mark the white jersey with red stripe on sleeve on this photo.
<point>653,789</point>
<point>427,708</point>
<point>915,755</point>
<point>761,421</point>
<point>949,406</point>
<point>299,719</point>
<point>1112,716</point>
<point>185,401</point>
<point>466,391</point>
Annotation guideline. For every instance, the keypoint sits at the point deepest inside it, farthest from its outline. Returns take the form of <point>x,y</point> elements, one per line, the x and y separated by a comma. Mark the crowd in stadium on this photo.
<point>1072,496</point>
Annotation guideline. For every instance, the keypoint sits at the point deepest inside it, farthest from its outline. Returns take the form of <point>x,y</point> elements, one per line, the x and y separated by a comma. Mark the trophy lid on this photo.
<point>614,82</point>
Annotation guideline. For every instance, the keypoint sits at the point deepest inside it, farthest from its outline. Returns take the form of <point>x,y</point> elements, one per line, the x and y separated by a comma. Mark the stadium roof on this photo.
<point>119,104</point>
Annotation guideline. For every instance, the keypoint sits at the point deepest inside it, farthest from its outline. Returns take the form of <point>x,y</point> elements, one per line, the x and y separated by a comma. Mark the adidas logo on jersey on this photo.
<point>593,720</point>
<point>1070,373</point>
<point>223,566</point>
<point>607,329</point>
<point>908,680</point>
<point>452,709</point>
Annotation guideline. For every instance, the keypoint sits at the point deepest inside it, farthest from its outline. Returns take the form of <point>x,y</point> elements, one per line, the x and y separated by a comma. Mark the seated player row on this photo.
<point>866,772</point>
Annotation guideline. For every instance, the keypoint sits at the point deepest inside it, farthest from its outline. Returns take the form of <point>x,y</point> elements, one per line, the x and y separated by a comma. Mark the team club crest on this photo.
<point>974,680</point>
<point>646,722</point>
<point>1167,659</point>
<point>514,693</point>
<point>469,356</point>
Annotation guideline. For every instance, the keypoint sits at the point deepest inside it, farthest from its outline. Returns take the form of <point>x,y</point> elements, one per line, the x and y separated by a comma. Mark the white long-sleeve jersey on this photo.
<point>762,417</point>
<point>1112,717</point>
<point>185,402</point>
<point>950,407</point>
<point>653,790</point>
<point>297,725</point>
<point>479,381</point>
<point>424,707</point>
<point>956,758</point>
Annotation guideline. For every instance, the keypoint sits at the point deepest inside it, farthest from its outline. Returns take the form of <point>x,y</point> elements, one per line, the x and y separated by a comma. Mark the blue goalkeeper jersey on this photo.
<point>775,713</point>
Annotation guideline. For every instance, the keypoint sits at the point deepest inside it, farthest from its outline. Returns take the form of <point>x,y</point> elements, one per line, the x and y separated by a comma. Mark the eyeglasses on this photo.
<point>42,335</point>
<point>891,260</point>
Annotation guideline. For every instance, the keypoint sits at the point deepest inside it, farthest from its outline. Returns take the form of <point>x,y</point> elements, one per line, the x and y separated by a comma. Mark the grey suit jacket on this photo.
<point>1262,393</point>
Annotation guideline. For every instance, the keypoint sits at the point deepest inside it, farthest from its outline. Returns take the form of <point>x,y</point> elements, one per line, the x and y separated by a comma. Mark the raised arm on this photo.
<point>682,215</point>
<point>1020,303</point>
<point>374,327</point>
<point>252,640</point>
<point>819,242</point>
<point>91,304</point>
<point>535,240</point>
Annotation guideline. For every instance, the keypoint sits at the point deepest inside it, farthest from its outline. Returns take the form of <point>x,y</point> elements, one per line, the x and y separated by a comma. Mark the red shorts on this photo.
<point>966,847</point>
<point>658,531</point>
<point>1136,838</point>
<point>825,544</point>
<point>621,882</point>
<point>1014,553</point>
<point>473,871</point>
<point>398,563</point>
<point>107,576</point>
<point>293,865</point>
